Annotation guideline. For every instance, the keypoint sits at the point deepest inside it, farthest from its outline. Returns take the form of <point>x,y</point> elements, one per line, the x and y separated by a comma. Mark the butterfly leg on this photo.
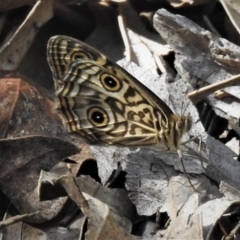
<point>184,170</point>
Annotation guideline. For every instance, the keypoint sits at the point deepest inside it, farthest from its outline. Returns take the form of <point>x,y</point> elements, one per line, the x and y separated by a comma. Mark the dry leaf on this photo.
<point>146,178</point>
<point>102,223</point>
<point>199,214</point>
<point>16,47</point>
<point>24,230</point>
<point>195,48</point>
<point>232,8</point>
<point>117,200</point>
<point>27,109</point>
<point>21,162</point>
<point>11,4</point>
<point>184,226</point>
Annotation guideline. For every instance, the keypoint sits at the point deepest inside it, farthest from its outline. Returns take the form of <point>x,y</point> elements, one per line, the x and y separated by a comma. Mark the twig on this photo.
<point>233,232</point>
<point>201,93</point>
<point>15,219</point>
<point>123,31</point>
<point>17,46</point>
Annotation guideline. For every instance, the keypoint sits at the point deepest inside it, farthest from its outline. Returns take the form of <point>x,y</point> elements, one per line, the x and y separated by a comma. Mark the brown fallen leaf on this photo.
<point>201,215</point>
<point>196,48</point>
<point>232,9</point>
<point>21,162</point>
<point>102,222</point>
<point>51,186</point>
<point>16,47</point>
<point>21,229</point>
<point>27,109</point>
<point>11,4</point>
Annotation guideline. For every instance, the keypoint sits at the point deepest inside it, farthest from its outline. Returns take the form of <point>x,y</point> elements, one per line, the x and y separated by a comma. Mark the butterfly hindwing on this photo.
<point>101,101</point>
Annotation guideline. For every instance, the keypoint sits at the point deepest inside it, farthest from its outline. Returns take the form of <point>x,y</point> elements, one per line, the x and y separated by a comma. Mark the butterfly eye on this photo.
<point>180,124</point>
<point>98,117</point>
<point>110,83</point>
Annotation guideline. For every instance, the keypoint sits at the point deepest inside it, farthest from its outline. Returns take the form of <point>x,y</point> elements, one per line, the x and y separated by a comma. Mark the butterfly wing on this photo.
<point>101,101</point>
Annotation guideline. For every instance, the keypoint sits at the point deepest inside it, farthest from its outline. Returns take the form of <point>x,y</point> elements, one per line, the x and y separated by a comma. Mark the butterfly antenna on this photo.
<point>185,109</point>
<point>184,170</point>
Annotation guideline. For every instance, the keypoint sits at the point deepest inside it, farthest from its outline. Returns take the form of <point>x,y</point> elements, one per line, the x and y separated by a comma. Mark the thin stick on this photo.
<point>124,34</point>
<point>233,232</point>
<point>201,93</point>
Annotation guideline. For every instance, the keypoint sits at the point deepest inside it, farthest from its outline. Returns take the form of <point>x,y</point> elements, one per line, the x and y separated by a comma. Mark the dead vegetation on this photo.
<point>56,186</point>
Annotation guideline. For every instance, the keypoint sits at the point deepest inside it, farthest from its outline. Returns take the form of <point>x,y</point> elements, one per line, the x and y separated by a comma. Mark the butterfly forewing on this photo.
<point>105,104</point>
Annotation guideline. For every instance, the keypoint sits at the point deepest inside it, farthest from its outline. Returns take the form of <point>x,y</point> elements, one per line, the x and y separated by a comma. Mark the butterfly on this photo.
<point>106,105</point>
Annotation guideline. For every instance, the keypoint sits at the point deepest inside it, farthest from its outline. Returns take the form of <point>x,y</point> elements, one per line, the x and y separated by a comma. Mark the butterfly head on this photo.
<point>179,125</point>
<point>183,124</point>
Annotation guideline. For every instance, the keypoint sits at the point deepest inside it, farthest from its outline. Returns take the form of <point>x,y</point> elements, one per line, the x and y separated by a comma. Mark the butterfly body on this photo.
<point>106,105</point>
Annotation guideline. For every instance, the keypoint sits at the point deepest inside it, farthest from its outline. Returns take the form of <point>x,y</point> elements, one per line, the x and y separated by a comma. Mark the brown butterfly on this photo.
<point>105,104</point>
